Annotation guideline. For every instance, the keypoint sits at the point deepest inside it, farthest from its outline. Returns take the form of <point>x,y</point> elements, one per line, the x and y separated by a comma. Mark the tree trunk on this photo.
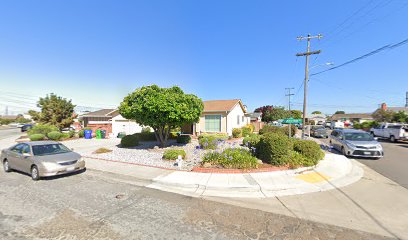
<point>162,134</point>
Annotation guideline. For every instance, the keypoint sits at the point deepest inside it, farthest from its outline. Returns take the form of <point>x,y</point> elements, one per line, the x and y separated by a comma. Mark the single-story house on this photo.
<point>111,121</point>
<point>219,116</point>
<point>394,109</point>
<point>316,118</point>
<point>352,117</point>
<point>255,117</point>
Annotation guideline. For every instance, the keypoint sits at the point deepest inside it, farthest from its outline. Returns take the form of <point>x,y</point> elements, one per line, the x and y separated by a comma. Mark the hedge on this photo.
<point>42,129</point>
<point>172,154</point>
<point>238,158</point>
<point>184,139</point>
<point>309,149</point>
<point>273,147</point>
<point>37,137</point>
<point>129,141</point>
<point>54,135</point>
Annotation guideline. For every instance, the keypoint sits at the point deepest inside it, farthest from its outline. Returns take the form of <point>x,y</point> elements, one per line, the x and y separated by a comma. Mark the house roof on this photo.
<point>397,109</point>
<point>222,105</point>
<point>352,115</point>
<point>102,113</point>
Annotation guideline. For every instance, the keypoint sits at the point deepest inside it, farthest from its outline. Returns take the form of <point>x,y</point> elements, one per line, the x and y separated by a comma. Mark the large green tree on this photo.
<point>161,109</point>
<point>277,113</point>
<point>340,112</point>
<point>296,114</point>
<point>381,115</point>
<point>400,116</point>
<point>55,110</point>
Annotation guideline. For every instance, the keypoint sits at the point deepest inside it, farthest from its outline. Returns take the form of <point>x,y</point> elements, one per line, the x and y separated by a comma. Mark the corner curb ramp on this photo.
<point>335,171</point>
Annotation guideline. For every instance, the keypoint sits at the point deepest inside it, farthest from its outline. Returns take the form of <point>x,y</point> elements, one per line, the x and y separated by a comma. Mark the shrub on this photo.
<point>37,137</point>
<point>172,154</point>
<point>251,141</point>
<point>54,135</point>
<point>184,139</point>
<point>270,129</point>
<point>236,132</point>
<point>65,135</point>
<point>231,158</point>
<point>42,129</point>
<point>173,135</point>
<point>146,130</point>
<point>210,141</point>
<point>81,134</point>
<point>146,136</point>
<point>248,129</point>
<point>102,150</point>
<point>71,133</point>
<point>292,129</point>
<point>130,140</point>
<point>309,149</point>
<point>273,147</point>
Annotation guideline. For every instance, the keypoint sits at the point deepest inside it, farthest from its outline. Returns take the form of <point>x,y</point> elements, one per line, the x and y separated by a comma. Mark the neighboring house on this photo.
<point>219,116</point>
<point>111,121</point>
<point>316,118</point>
<point>394,109</point>
<point>255,117</point>
<point>352,117</point>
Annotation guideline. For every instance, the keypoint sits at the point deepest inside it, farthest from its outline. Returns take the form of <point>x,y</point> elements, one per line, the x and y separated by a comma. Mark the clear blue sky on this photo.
<point>96,52</point>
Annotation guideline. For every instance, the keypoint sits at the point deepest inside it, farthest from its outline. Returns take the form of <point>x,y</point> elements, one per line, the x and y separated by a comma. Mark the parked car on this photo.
<point>319,131</point>
<point>391,131</point>
<point>26,127</point>
<point>336,125</point>
<point>41,159</point>
<point>356,143</point>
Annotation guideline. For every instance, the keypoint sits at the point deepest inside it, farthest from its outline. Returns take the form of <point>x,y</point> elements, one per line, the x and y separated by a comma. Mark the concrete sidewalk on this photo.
<point>333,172</point>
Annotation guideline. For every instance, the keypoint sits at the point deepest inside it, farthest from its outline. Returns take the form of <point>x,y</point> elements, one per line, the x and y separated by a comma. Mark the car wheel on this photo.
<point>35,175</point>
<point>392,139</point>
<point>343,150</point>
<point>6,166</point>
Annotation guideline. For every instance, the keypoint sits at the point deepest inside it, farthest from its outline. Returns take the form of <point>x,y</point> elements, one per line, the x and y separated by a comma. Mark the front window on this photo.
<point>213,123</point>
<point>359,137</point>
<point>49,149</point>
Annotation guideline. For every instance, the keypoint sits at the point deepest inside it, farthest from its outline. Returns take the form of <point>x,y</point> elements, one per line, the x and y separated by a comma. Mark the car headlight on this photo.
<point>379,146</point>
<point>49,165</point>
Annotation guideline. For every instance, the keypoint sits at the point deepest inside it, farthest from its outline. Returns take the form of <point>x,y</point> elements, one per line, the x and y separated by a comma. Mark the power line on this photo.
<point>386,47</point>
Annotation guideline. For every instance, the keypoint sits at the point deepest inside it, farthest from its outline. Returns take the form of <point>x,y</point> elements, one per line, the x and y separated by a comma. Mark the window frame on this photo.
<point>205,122</point>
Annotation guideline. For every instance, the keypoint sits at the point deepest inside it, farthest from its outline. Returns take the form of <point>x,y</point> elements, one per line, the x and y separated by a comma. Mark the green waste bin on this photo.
<point>103,134</point>
<point>98,134</point>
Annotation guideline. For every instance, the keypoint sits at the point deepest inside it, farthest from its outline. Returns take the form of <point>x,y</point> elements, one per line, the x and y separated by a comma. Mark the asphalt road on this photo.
<point>92,205</point>
<point>9,132</point>
<point>394,164</point>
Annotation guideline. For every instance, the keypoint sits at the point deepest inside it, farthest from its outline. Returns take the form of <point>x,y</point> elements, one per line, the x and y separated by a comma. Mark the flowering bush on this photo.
<point>211,141</point>
<point>239,158</point>
<point>236,132</point>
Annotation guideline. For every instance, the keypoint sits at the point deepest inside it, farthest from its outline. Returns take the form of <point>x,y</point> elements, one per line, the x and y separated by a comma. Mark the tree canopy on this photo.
<point>264,110</point>
<point>381,115</point>
<point>161,109</point>
<point>272,113</point>
<point>340,112</point>
<point>316,112</point>
<point>296,114</point>
<point>55,110</point>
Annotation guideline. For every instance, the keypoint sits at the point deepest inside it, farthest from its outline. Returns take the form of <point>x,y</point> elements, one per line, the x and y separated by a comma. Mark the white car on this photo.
<point>391,131</point>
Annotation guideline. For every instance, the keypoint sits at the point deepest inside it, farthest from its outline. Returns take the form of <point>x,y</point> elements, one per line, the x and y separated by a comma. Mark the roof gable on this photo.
<point>222,105</point>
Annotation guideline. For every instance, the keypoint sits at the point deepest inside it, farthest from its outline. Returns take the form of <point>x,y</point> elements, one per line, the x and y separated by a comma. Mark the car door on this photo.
<point>13,156</point>
<point>25,161</point>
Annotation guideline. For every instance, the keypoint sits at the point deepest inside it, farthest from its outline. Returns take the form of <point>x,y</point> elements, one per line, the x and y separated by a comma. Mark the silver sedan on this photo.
<point>41,159</point>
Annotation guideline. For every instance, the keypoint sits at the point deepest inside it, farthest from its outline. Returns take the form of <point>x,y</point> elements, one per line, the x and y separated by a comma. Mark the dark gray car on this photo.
<point>319,132</point>
<point>41,159</point>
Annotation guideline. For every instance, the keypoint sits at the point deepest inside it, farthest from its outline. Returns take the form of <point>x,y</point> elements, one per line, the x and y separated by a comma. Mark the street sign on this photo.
<point>292,121</point>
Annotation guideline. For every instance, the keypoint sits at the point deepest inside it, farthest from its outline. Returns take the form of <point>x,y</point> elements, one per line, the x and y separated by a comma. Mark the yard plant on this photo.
<point>238,158</point>
<point>129,141</point>
<point>183,139</point>
<point>42,129</point>
<point>236,132</point>
<point>162,109</point>
<point>172,154</point>
<point>37,137</point>
<point>211,141</point>
<point>54,135</point>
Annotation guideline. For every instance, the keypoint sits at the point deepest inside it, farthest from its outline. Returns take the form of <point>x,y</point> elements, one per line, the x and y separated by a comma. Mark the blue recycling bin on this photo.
<point>87,134</point>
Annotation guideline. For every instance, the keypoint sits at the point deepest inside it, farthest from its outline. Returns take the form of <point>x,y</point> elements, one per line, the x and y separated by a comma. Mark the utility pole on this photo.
<point>306,54</point>
<point>288,95</point>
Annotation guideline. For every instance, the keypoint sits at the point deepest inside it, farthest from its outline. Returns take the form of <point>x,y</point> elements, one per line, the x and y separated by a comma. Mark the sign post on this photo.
<point>291,121</point>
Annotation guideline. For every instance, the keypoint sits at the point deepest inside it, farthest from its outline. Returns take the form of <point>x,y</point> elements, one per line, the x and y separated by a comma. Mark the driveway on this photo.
<point>93,205</point>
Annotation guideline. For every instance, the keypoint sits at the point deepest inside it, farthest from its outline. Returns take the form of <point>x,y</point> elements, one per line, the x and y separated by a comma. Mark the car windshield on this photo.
<point>49,149</point>
<point>359,137</point>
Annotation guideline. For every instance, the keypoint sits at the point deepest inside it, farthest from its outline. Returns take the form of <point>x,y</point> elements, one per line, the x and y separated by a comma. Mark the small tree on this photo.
<point>340,112</point>
<point>277,113</point>
<point>264,110</point>
<point>316,112</point>
<point>55,110</point>
<point>400,116</point>
<point>381,115</point>
<point>161,109</point>
<point>296,114</point>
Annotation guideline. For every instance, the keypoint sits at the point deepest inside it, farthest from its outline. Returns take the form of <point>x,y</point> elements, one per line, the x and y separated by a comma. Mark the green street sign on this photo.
<point>292,121</point>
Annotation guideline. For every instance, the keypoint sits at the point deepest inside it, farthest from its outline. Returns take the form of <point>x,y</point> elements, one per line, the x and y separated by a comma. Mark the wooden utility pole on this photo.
<point>288,95</point>
<point>306,54</point>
